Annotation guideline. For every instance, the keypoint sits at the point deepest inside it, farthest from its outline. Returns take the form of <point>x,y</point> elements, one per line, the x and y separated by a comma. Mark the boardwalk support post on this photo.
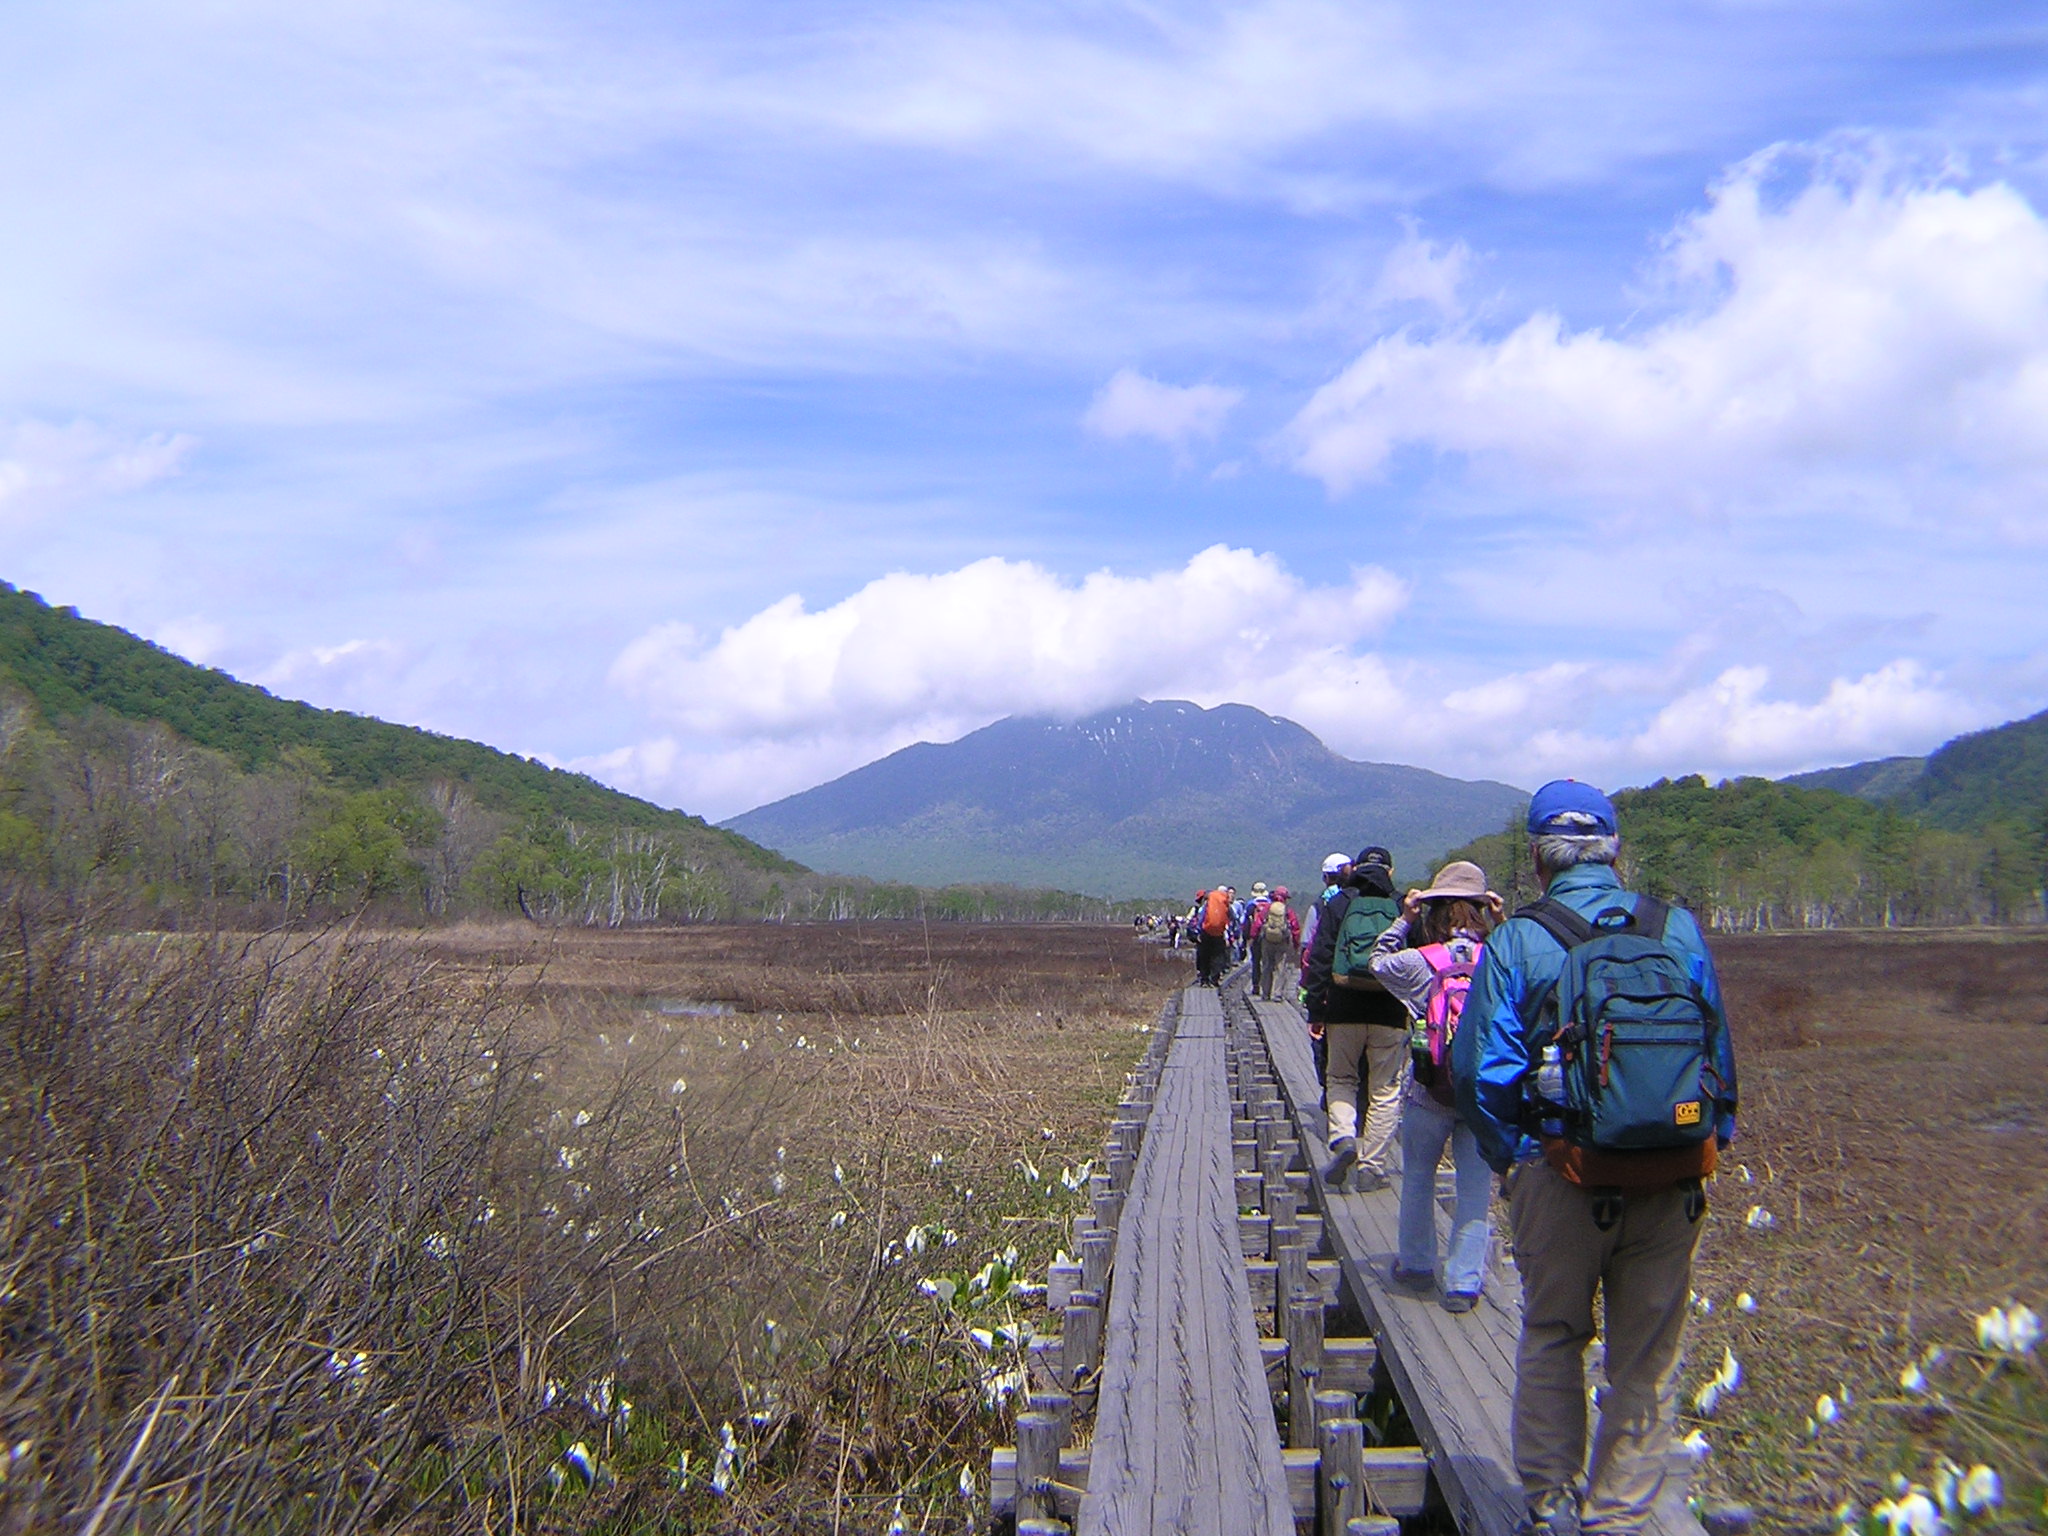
<point>1038,1466</point>
<point>1290,1276</point>
<point>1341,1474</point>
<point>1096,1250</point>
<point>1081,1337</point>
<point>1061,1407</point>
<point>1304,1368</point>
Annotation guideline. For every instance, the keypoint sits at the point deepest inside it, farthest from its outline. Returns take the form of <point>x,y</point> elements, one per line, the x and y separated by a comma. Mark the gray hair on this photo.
<point>1555,850</point>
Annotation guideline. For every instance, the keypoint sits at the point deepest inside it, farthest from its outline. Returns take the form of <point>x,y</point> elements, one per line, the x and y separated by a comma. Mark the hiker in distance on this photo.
<point>1254,917</point>
<point>1426,959</point>
<point>1209,922</point>
<point>1594,1066</point>
<point>1276,933</point>
<point>1333,887</point>
<point>1365,1029</point>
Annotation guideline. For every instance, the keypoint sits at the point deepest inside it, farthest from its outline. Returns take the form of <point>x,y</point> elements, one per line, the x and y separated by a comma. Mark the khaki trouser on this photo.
<point>1643,1265</point>
<point>1271,958</point>
<point>1385,1058</point>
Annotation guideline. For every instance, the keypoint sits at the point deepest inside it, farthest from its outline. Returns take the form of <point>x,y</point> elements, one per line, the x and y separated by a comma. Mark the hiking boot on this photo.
<point>1370,1181</point>
<point>1343,1156</point>
<point>1413,1279</point>
<point>1555,1514</point>
<point>1460,1301</point>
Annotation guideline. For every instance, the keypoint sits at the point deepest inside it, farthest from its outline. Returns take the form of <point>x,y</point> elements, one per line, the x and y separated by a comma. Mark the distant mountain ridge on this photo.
<point>1150,799</point>
<point>1975,780</point>
<point>1885,778</point>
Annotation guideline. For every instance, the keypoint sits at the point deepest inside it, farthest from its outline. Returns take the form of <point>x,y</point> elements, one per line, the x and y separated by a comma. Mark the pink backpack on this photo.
<point>1450,983</point>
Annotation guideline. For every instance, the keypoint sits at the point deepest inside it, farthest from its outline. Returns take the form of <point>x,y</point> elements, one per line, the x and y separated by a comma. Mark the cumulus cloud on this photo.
<point>1132,405</point>
<point>1879,330</point>
<point>793,696</point>
<point>1629,722</point>
<point>994,638</point>
<point>1732,725</point>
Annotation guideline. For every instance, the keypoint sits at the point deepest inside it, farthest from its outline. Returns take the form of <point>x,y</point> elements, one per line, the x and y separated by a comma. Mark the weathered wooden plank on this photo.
<point>1185,1440</point>
<point>1456,1374</point>
<point>1002,1480</point>
<point>1397,1480</point>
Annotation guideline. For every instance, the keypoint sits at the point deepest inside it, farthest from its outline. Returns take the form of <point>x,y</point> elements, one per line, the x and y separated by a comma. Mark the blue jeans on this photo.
<point>1425,1126</point>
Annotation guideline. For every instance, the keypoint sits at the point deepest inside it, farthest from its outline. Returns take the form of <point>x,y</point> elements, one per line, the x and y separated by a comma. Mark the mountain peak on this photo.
<point>1140,799</point>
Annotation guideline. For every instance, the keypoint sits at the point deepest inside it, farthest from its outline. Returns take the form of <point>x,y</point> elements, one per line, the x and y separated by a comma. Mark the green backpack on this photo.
<point>1365,919</point>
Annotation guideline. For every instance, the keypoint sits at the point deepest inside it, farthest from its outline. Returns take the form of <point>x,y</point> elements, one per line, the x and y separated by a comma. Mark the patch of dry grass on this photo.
<point>328,1231</point>
<point>1895,1127</point>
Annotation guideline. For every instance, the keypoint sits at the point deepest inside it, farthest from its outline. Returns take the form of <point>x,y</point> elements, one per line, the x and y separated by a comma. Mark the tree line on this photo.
<point>1753,855</point>
<point>98,805</point>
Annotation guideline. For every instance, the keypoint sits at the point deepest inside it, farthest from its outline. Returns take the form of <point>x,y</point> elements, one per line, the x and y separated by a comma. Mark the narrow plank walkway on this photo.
<point>1455,1374</point>
<point>1185,1440</point>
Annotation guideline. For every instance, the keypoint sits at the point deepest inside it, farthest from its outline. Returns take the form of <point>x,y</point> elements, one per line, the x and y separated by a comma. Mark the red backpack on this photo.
<point>1216,916</point>
<point>1450,983</point>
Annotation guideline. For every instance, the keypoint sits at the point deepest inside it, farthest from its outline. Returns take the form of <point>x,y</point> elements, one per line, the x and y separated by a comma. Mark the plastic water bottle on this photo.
<point>1550,1077</point>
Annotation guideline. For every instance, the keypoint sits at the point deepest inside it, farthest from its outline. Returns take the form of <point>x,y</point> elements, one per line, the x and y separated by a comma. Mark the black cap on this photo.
<point>1375,855</point>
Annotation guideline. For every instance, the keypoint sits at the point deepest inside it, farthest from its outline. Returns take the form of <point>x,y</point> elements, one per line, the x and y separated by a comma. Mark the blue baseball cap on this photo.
<point>1573,809</point>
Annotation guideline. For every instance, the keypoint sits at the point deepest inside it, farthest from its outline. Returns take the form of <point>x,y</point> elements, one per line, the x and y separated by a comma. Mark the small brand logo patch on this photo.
<point>1687,1113</point>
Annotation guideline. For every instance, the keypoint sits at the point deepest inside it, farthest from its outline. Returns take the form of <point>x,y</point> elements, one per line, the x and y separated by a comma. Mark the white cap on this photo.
<point>1334,862</point>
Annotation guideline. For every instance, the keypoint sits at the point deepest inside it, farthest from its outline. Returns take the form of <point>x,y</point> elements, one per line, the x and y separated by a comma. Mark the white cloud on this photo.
<point>1878,334</point>
<point>808,694</point>
<point>197,639</point>
<point>336,676</point>
<point>994,638</point>
<point>1731,726</point>
<point>792,696</point>
<point>1635,721</point>
<point>1419,271</point>
<point>1132,405</point>
<point>44,466</point>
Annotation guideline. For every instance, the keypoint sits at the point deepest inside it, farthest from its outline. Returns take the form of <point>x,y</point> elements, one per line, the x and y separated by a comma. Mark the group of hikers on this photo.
<point>1577,1049</point>
<point>1227,931</point>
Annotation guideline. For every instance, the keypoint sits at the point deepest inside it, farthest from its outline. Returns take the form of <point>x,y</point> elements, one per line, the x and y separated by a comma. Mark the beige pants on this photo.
<point>1643,1265</point>
<point>1383,1053</point>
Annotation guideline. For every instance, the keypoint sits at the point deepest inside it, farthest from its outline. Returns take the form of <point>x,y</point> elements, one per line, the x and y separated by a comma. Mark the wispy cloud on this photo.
<point>1133,405</point>
<point>44,466</point>
<point>1877,335</point>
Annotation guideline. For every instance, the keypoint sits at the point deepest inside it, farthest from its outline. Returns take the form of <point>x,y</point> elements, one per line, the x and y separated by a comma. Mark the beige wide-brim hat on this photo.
<point>1258,887</point>
<point>1458,880</point>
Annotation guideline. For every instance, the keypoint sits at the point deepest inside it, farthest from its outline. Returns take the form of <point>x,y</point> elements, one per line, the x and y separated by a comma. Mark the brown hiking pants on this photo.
<point>1642,1265</point>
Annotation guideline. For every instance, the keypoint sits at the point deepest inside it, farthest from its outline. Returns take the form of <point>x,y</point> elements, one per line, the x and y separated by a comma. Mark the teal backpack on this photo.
<point>1365,919</point>
<point>1635,1038</point>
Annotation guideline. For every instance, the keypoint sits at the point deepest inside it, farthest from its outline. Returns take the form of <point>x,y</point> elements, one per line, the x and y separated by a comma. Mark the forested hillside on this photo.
<point>127,772</point>
<point>1754,854</point>
<point>1984,778</point>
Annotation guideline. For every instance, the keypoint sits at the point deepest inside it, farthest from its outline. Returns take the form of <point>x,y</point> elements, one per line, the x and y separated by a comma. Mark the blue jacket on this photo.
<point>1490,1055</point>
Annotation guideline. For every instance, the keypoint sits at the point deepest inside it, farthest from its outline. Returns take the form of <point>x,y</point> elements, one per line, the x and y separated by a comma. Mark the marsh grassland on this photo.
<point>735,1229</point>
<point>1889,1190</point>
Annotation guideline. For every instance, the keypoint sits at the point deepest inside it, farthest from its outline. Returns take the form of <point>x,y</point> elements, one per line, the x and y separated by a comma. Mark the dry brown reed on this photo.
<point>329,1231</point>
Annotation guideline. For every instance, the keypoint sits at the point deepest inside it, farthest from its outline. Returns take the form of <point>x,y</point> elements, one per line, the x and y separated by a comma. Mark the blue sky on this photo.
<point>715,397</point>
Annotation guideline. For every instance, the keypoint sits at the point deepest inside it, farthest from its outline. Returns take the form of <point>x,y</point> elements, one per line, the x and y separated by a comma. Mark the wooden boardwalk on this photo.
<point>1185,1440</point>
<point>1197,1234</point>
<point>1455,1373</point>
<point>1203,1225</point>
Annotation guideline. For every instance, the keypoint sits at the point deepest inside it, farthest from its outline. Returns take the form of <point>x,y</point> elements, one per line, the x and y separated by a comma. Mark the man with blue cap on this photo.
<point>1540,1093</point>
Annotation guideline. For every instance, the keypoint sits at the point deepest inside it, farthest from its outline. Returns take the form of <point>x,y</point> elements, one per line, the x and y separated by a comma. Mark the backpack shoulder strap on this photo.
<point>1652,917</point>
<point>1559,921</point>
